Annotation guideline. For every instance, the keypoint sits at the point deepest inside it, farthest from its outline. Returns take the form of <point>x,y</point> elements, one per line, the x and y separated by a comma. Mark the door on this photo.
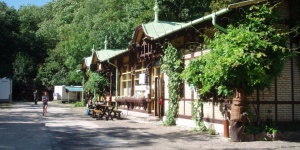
<point>158,97</point>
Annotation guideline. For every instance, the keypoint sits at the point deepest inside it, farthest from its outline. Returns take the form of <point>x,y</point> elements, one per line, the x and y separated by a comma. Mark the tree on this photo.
<point>24,73</point>
<point>24,69</point>
<point>97,83</point>
<point>74,27</point>
<point>9,31</point>
<point>216,5</point>
<point>50,74</point>
<point>182,11</point>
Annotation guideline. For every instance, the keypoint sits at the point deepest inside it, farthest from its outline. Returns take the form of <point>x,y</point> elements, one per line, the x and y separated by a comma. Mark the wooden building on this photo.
<point>141,86</point>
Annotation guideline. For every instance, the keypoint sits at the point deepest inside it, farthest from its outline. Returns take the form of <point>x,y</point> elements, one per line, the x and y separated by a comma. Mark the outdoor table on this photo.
<point>106,111</point>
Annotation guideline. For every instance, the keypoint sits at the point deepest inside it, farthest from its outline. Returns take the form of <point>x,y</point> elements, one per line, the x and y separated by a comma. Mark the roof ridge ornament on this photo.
<point>156,10</point>
<point>93,49</point>
<point>105,42</point>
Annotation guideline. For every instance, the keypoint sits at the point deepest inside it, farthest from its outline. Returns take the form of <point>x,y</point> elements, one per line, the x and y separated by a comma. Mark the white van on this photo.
<point>5,90</point>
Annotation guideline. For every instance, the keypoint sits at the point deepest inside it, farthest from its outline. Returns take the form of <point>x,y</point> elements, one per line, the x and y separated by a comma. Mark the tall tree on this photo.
<point>24,70</point>
<point>216,5</point>
<point>87,24</point>
<point>31,49</point>
<point>184,10</point>
<point>9,31</point>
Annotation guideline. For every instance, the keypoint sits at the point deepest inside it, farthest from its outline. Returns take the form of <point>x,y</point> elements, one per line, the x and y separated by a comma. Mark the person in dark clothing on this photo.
<point>35,97</point>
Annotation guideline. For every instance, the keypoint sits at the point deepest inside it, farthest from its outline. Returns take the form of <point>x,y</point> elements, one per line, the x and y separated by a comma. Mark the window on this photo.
<point>125,81</point>
<point>140,87</point>
<point>155,73</point>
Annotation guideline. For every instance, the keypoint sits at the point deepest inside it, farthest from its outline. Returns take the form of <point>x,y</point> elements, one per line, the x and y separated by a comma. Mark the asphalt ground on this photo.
<point>22,127</point>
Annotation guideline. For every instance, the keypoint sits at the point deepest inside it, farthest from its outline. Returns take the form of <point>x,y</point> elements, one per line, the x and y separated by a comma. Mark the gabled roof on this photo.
<point>101,55</point>
<point>155,29</point>
<point>87,62</point>
<point>106,54</point>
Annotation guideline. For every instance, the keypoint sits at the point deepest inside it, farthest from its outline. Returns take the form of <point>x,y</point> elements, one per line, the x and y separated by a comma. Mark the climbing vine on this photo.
<point>250,56</point>
<point>197,114</point>
<point>173,66</point>
<point>192,74</point>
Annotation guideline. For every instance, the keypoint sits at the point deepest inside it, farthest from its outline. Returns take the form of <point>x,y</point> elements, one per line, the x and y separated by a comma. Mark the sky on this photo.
<point>17,3</point>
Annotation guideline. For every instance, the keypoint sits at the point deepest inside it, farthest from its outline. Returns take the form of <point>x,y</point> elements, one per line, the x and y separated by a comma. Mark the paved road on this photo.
<point>22,127</point>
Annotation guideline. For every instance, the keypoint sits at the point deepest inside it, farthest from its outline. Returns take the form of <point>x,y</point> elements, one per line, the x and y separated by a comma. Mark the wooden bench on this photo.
<point>96,112</point>
<point>117,112</point>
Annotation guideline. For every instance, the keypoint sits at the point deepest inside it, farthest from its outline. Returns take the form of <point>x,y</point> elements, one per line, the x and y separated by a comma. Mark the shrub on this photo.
<point>79,104</point>
<point>211,131</point>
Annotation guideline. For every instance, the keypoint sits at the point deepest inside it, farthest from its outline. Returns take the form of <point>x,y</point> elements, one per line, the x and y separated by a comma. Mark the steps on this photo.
<point>142,117</point>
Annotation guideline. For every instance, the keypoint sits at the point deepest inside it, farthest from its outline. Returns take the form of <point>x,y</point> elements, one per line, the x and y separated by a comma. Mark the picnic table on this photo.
<point>104,110</point>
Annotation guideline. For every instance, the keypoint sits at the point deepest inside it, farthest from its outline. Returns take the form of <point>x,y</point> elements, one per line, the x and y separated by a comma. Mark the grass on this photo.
<point>5,105</point>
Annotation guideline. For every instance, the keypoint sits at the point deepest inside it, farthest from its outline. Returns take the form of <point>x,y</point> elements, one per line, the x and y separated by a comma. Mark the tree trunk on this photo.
<point>237,117</point>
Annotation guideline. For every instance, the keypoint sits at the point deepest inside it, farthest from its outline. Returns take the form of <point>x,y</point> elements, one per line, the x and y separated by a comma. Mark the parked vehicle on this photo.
<point>67,93</point>
<point>5,90</point>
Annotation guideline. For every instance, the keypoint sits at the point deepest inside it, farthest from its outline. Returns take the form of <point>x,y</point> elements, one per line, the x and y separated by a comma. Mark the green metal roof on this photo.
<point>155,29</point>
<point>160,29</point>
<point>88,61</point>
<point>73,88</point>
<point>106,54</point>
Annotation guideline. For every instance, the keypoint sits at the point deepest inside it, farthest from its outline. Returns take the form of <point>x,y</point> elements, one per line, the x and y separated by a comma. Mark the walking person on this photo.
<point>45,99</point>
<point>35,97</point>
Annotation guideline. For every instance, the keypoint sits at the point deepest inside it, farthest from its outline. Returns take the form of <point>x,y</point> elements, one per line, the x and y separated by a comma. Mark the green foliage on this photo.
<point>80,104</point>
<point>183,10</point>
<point>97,83</point>
<point>31,47</point>
<point>9,29</point>
<point>249,56</point>
<point>59,34</point>
<point>271,129</point>
<point>201,126</point>
<point>216,5</point>
<point>252,129</point>
<point>197,114</point>
<point>24,69</point>
<point>49,73</point>
<point>193,72</point>
<point>211,131</point>
<point>71,28</point>
<point>173,66</point>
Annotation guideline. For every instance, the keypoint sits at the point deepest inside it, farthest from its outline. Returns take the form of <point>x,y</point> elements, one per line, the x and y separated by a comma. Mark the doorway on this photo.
<point>158,96</point>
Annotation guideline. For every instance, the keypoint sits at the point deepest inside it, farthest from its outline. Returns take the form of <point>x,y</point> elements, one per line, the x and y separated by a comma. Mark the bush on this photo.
<point>79,104</point>
<point>251,129</point>
<point>211,131</point>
